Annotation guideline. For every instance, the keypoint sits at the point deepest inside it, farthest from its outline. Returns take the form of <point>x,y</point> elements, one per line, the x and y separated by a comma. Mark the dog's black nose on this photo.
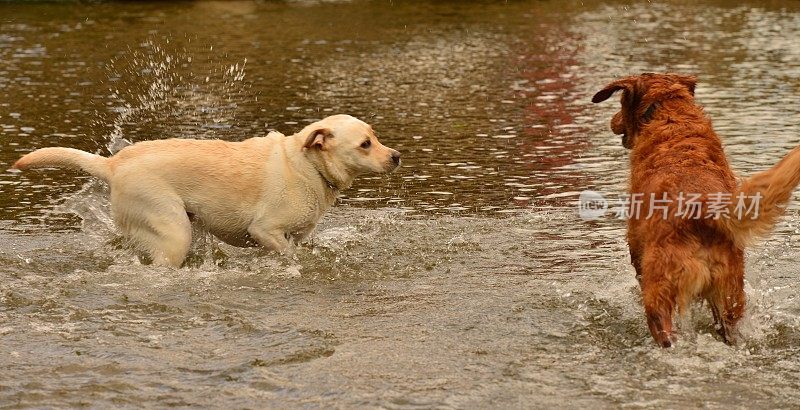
<point>396,157</point>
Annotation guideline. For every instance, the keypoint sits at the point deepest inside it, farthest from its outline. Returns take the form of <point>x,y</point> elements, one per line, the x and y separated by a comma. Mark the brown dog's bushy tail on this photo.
<point>57,157</point>
<point>762,199</point>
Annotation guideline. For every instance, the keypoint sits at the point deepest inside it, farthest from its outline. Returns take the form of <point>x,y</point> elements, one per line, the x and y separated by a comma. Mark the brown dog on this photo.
<point>675,156</point>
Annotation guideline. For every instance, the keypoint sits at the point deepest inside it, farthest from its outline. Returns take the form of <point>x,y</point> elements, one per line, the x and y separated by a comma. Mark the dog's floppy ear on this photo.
<point>688,81</point>
<point>605,93</point>
<point>317,138</point>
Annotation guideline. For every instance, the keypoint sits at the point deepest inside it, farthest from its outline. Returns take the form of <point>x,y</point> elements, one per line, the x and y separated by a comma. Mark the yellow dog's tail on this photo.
<point>57,157</point>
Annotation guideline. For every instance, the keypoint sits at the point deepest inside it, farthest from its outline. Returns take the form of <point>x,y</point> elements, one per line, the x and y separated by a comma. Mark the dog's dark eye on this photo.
<point>366,144</point>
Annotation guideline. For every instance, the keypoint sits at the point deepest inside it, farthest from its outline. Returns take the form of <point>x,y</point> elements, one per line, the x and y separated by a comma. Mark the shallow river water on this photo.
<point>465,279</point>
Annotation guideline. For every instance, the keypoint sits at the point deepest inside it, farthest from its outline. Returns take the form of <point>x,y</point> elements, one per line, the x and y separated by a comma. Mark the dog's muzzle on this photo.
<point>396,158</point>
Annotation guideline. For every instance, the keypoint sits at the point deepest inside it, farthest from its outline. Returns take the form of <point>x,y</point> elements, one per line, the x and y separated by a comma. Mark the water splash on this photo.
<point>158,93</point>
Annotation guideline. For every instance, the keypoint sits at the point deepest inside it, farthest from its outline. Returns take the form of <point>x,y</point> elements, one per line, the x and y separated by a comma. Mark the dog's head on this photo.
<point>641,95</point>
<point>347,147</point>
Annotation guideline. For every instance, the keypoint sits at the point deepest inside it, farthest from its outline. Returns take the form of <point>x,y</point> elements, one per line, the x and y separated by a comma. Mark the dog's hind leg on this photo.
<point>659,294</point>
<point>727,300</point>
<point>659,306</point>
<point>159,225</point>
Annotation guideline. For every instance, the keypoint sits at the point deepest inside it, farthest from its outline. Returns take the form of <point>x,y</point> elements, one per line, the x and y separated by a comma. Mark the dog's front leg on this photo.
<point>271,239</point>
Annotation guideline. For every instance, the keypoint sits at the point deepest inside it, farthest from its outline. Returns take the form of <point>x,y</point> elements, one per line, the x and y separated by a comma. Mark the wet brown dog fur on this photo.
<point>675,150</point>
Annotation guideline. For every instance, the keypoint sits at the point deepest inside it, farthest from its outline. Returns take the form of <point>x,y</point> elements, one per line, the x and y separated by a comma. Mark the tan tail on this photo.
<point>57,157</point>
<point>766,194</point>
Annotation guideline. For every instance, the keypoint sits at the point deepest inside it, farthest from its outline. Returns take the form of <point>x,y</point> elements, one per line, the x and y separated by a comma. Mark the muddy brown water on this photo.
<point>466,279</point>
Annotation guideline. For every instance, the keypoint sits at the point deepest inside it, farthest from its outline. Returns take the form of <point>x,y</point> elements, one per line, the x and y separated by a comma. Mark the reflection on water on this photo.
<point>465,278</point>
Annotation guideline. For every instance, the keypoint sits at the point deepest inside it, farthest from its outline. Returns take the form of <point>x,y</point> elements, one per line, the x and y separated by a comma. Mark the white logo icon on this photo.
<point>591,205</point>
